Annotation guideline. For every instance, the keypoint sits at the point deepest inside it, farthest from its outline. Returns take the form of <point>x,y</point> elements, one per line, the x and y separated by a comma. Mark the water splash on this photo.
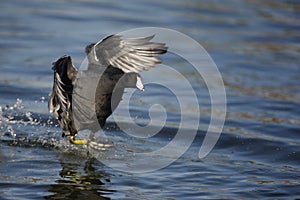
<point>22,127</point>
<point>17,123</point>
<point>6,129</point>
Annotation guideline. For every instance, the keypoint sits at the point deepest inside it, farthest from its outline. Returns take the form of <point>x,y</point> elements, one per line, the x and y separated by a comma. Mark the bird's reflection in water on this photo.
<point>79,180</point>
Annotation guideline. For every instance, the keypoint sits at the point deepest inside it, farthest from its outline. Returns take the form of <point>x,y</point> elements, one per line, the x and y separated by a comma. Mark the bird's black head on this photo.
<point>132,80</point>
<point>88,48</point>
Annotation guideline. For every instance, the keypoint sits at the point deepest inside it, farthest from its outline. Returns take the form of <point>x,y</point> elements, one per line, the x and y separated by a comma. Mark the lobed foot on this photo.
<point>92,144</point>
<point>99,146</point>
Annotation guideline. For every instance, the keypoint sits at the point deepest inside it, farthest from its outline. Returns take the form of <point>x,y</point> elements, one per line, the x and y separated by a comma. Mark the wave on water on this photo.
<point>23,128</point>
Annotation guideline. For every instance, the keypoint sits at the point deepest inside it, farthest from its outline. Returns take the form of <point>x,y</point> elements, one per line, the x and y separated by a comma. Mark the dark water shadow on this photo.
<point>79,179</point>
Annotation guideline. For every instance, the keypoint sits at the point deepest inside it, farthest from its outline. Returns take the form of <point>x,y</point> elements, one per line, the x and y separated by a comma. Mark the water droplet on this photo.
<point>28,115</point>
<point>11,131</point>
<point>42,99</point>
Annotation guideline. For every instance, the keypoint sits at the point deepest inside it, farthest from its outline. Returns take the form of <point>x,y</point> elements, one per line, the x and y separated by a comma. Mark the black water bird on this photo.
<point>84,99</point>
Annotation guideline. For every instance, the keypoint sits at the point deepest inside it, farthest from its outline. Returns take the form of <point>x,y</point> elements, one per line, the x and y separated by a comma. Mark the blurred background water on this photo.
<point>255,45</point>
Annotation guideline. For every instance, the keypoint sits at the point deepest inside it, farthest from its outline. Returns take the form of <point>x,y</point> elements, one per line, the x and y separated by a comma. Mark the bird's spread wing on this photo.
<point>129,55</point>
<point>61,98</point>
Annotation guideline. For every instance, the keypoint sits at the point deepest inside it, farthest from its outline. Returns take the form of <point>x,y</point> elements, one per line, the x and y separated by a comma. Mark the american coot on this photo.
<point>80,97</point>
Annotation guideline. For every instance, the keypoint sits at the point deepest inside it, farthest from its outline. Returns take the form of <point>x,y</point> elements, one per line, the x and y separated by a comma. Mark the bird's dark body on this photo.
<point>85,99</point>
<point>106,89</point>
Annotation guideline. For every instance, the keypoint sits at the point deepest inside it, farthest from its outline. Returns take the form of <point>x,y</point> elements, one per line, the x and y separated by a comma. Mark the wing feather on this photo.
<point>60,101</point>
<point>129,55</point>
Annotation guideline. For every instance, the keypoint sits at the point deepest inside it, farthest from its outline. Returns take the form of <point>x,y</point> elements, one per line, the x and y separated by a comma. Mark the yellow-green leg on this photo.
<point>94,145</point>
<point>78,142</point>
<point>97,145</point>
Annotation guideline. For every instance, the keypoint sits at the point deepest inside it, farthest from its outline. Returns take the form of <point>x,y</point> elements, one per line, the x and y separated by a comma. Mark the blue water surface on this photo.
<point>255,45</point>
